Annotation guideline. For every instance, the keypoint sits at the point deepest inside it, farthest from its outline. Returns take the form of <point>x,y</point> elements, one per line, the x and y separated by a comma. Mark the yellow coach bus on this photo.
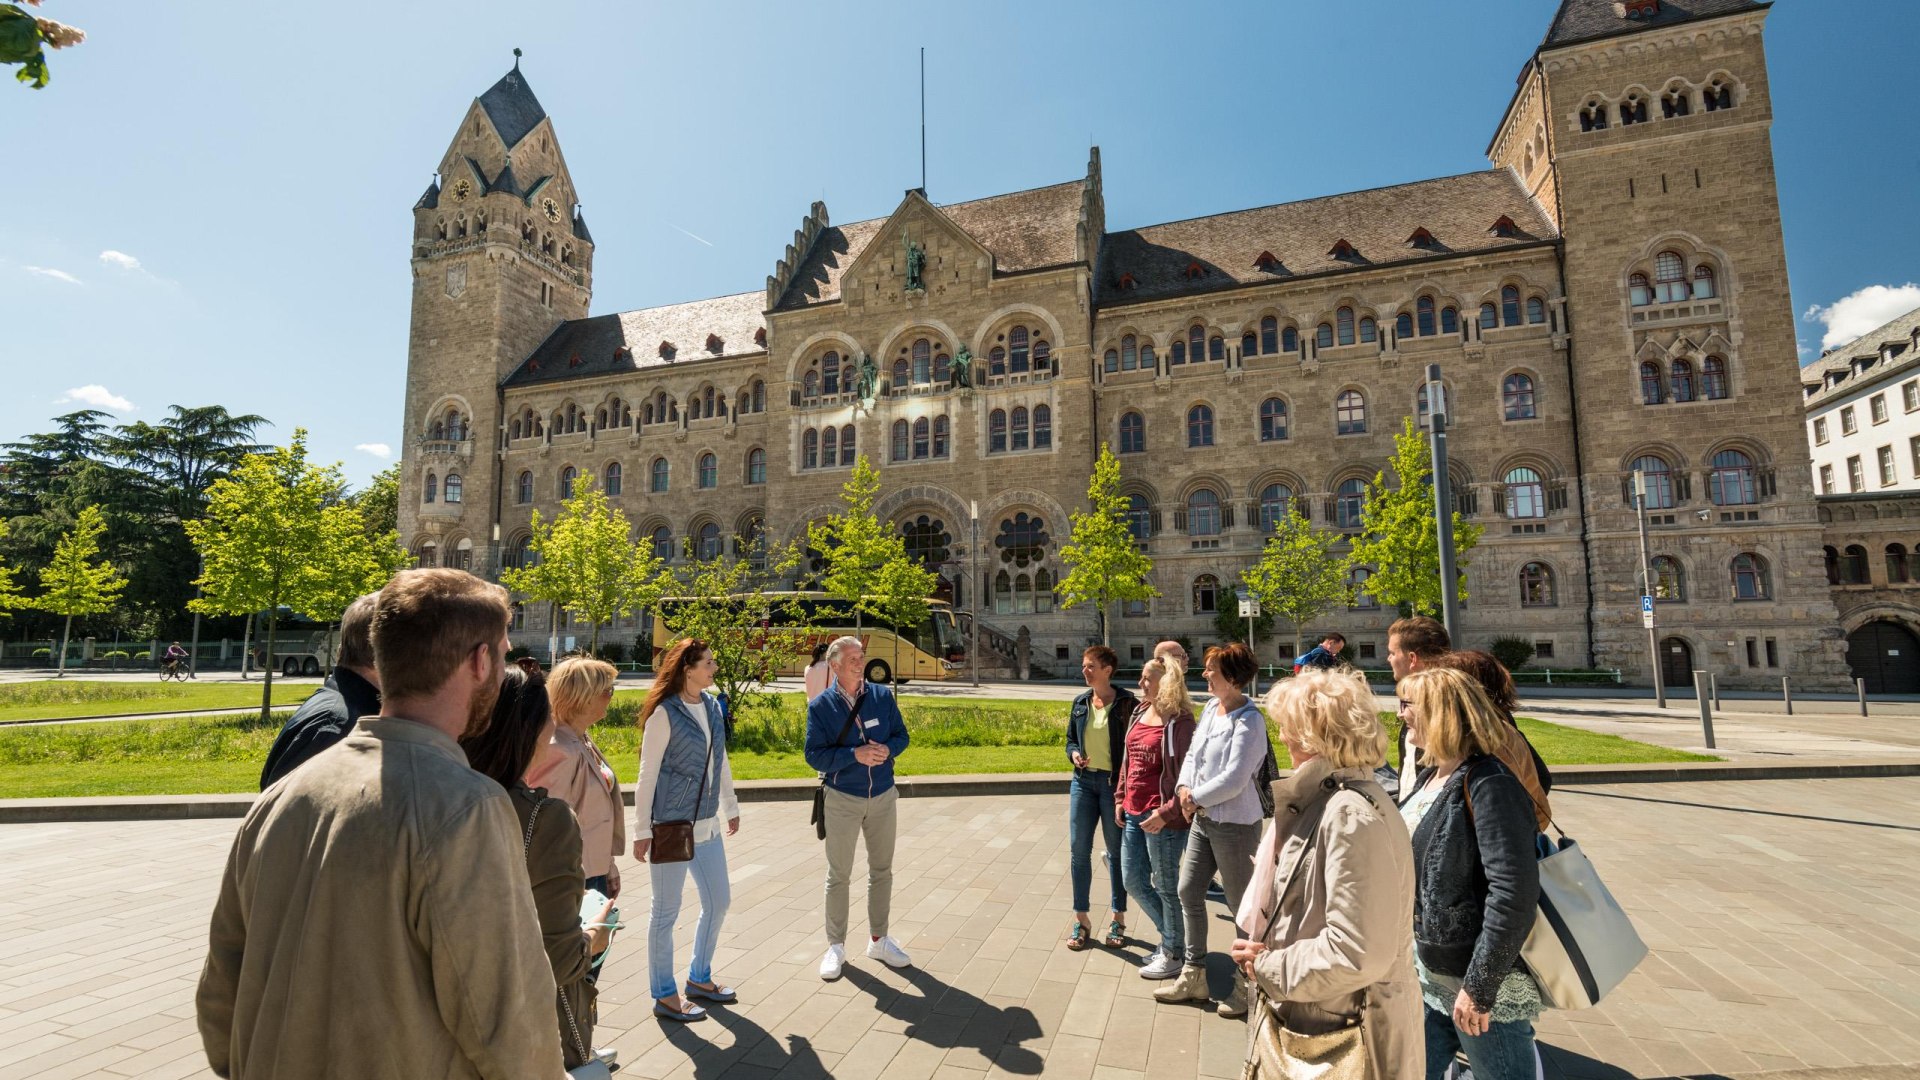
<point>934,649</point>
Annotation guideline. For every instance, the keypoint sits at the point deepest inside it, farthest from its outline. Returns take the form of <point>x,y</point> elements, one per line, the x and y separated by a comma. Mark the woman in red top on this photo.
<point>1156,830</point>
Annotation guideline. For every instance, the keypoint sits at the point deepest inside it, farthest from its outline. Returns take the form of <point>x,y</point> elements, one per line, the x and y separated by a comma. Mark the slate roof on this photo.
<point>430,200</point>
<point>1587,20</point>
<point>1458,210</point>
<point>1025,230</point>
<point>580,227</point>
<point>1900,332</point>
<point>630,341</point>
<point>511,106</point>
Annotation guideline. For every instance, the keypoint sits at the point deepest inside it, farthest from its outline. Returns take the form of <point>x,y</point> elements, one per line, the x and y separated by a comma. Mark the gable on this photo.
<point>880,270</point>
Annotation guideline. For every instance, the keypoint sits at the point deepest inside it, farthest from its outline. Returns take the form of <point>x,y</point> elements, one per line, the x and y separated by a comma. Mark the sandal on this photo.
<point>1116,935</point>
<point>1077,937</point>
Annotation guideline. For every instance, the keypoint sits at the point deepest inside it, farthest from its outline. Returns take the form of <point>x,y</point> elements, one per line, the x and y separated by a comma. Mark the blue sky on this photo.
<point>211,202</point>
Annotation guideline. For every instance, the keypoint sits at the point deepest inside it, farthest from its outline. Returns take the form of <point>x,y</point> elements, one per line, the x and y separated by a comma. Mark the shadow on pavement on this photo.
<point>1737,809</point>
<point>941,1015</point>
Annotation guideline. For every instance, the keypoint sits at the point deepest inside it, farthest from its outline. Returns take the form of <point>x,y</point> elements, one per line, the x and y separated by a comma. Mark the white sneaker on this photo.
<point>889,952</point>
<point>1162,965</point>
<point>607,1055</point>
<point>831,963</point>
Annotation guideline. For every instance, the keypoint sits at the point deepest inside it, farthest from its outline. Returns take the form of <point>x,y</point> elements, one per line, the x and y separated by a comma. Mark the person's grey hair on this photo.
<point>839,646</point>
<point>356,634</point>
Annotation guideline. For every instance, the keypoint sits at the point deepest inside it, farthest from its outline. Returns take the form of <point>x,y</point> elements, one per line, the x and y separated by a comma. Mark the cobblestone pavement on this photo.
<point>1779,914</point>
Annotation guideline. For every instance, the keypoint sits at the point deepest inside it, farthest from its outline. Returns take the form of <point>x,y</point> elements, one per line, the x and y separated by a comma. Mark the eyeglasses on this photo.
<point>1405,704</point>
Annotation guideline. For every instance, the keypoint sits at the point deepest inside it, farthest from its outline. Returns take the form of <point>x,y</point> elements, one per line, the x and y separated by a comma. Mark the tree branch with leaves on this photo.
<point>73,583</point>
<point>1299,577</point>
<point>1106,565</point>
<point>1400,538</point>
<point>585,562</point>
<point>867,564</point>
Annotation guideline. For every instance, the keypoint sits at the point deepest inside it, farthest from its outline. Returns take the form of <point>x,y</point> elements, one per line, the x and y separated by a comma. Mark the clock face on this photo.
<point>461,189</point>
<point>552,208</point>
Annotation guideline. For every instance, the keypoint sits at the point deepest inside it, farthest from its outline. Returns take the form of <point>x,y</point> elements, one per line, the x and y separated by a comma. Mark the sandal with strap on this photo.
<point>1077,937</point>
<point>1116,935</point>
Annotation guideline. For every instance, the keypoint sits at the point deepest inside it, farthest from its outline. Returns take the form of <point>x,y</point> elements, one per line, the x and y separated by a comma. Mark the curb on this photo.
<point>196,807</point>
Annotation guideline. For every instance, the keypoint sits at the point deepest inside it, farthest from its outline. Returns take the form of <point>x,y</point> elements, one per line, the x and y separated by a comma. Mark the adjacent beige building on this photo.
<point>1610,294</point>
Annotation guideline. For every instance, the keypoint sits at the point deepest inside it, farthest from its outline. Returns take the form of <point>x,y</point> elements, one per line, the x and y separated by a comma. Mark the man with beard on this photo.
<point>375,917</point>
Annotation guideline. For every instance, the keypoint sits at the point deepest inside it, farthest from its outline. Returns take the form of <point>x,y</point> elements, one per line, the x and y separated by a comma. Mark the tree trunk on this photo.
<point>331,657</point>
<point>246,647</point>
<point>266,688</point>
<point>1106,628</point>
<point>593,641</point>
<point>1297,628</point>
<point>60,670</point>
<point>553,632</point>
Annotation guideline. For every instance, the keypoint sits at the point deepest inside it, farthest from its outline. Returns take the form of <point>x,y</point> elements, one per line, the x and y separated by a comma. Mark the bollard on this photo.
<point>1713,681</point>
<point>1860,687</point>
<point>1786,694</point>
<point>1706,705</point>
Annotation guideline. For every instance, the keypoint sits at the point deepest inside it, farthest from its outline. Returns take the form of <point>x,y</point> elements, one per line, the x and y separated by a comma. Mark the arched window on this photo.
<point>430,489</point>
<point>1669,278</point>
<point>1489,316</point>
<point>567,476</point>
<point>997,431</point>
<point>809,388</point>
<point>1129,353</point>
<point>1323,336</point>
<point>612,481</point>
<point>1343,325</point>
<point>1350,413</point>
<point>429,556</point>
<point>1594,117</point>
<point>1703,284</point>
<point>451,490</point>
<point>830,374</point>
<point>1206,594</point>
<point>1509,306</point>
<point>941,437</point>
<point>1111,362</point>
<point>810,449</point>
<point>523,489</point>
<point>1196,344</point>
<point>709,471</point>
<point>900,374</point>
<point>1676,102</point>
<point>1133,433</point>
<point>1139,518</point>
<point>1652,389</point>
<point>708,546</point>
<point>1718,95</point>
<point>706,404</point>
<point>1516,396</point>
<point>520,553</point>
<point>759,396</point>
<point>756,466</point>
<point>1658,476</point>
<point>1424,307</point>
<point>1273,420</point>
<point>1042,427</point>
<point>1275,501</point>
<point>1682,382</point>
<point>513,430</point>
<point>1731,483</point>
<point>1043,365</point>
<point>1269,335</point>
<point>829,447</point>
<point>1200,426</point>
<point>1713,376</point>
<point>1369,332</point>
<point>922,362</point>
<point>1249,344</point>
<point>662,539</point>
<point>1669,581</point>
<point>1536,310</point>
<point>997,361</point>
<point>902,440</point>
<point>1536,585</point>
<point>1216,348</point>
<point>1526,494</point>
<point>1853,566</point>
<point>922,438</point>
<point>1349,503</point>
<point>1832,562</point>
<point>1639,291</point>
<point>1449,320</point>
<point>1899,568</point>
<point>846,446</point>
<point>1020,427</point>
<point>1176,353</point>
<point>1290,340</point>
<point>1751,581</point>
<point>1203,513</point>
<point>658,476</point>
<point>1359,598</point>
<point>1148,361</point>
<point>1003,593</point>
<point>1403,325</point>
<point>1017,353</point>
<point>1633,110</point>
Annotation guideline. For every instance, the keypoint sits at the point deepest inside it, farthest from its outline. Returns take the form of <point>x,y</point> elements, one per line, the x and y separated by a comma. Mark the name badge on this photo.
<point>873,723</point>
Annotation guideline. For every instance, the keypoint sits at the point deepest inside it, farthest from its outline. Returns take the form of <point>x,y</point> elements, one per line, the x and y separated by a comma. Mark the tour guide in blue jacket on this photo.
<point>854,731</point>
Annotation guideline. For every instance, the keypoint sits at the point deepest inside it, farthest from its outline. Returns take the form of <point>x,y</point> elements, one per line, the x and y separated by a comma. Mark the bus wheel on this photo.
<point>879,672</point>
<point>290,668</point>
<point>310,667</point>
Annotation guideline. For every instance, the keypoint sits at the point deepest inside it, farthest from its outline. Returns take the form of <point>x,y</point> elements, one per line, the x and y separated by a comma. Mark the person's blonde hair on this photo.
<point>1170,697</point>
<point>577,682</point>
<point>425,625</point>
<point>1330,713</point>
<point>1457,718</point>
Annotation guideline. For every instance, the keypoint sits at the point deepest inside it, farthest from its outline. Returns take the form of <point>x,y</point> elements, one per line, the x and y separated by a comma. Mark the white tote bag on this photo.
<point>1582,944</point>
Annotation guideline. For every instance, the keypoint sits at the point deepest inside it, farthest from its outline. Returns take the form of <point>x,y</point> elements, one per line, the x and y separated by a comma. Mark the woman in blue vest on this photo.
<point>685,776</point>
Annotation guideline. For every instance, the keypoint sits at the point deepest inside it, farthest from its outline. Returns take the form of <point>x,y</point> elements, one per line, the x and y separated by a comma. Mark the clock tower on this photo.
<point>501,255</point>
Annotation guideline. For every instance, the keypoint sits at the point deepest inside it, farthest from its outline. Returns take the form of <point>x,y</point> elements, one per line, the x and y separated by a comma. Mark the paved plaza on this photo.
<point>1779,914</point>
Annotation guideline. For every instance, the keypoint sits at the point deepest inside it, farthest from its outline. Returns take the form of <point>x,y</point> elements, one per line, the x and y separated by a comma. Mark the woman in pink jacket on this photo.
<point>572,768</point>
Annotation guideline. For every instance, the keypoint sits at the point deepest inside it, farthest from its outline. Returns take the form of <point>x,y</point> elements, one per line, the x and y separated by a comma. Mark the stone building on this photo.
<point>1609,295</point>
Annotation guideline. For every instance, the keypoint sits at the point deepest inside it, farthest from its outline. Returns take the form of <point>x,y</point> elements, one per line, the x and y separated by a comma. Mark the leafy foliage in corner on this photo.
<point>585,561</point>
<point>1227,623</point>
<point>866,561</point>
<point>24,40</point>
<point>1400,540</point>
<point>1105,561</point>
<point>73,583</point>
<point>1511,651</point>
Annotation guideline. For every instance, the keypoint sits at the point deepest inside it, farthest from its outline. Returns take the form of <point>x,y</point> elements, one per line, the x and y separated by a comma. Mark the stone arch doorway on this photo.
<point>1676,663</point>
<point>1887,656</point>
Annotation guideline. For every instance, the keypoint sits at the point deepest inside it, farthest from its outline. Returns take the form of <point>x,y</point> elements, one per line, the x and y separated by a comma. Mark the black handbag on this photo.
<point>820,793</point>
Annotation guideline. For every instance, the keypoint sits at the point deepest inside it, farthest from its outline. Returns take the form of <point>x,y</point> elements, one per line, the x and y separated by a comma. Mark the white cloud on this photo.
<point>119,259</point>
<point>1851,316</point>
<point>57,275</point>
<point>377,449</point>
<point>97,396</point>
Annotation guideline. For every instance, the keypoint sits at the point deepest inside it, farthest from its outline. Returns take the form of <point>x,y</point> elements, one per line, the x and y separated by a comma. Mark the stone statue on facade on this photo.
<point>960,375</point>
<point>868,383</point>
<point>916,267</point>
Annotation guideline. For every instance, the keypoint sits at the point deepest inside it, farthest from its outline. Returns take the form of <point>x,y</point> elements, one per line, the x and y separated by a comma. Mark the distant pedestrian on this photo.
<point>1156,828</point>
<point>817,677</point>
<point>375,917</point>
<point>571,767</point>
<point>1096,747</point>
<point>351,692</point>
<point>1516,752</point>
<point>1477,882</point>
<point>854,733</point>
<point>1324,655</point>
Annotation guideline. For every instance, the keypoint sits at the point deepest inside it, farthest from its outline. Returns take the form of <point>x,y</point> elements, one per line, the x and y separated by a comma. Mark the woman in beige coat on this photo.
<point>1327,924</point>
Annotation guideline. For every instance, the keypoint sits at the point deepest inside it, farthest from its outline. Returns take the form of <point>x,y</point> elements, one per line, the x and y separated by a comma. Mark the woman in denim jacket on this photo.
<point>1096,745</point>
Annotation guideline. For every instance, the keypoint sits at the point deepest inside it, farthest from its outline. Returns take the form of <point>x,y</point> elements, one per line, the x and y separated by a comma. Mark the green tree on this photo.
<point>1299,577</point>
<point>73,583</point>
<point>270,539</point>
<point>379,501</point>
<point>736,606</point>
<point>10,596</point>
<point>866,561</point>
<point>1105,562</point>
<point>25,39</point>
<point>1230,626</point>
<point>1400,539</point>
<point>585,561</point>
<point>357,563</point>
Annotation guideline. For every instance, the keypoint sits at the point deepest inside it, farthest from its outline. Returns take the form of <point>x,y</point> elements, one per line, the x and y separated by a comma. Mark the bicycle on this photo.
<point>173,669</point>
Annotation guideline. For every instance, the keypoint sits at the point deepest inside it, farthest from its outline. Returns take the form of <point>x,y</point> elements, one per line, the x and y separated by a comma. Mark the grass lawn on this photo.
<point>63,699</point>
<point>201,755</point>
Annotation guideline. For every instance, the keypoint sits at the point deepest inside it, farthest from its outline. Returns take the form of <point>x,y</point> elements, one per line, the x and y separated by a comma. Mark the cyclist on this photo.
<point>173,658</point>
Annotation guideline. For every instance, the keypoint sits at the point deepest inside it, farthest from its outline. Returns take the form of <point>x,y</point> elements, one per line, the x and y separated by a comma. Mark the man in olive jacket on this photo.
<point>375,918</point>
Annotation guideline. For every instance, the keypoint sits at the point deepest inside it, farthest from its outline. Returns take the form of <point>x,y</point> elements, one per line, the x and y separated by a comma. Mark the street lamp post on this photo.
<point>1443,502</point>
<point>1646,596</point>
<point>973,556</point>
<point>193,655</point>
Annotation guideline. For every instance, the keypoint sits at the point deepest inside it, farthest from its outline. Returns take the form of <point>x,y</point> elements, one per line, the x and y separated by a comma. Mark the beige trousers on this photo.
<point>849,817</point>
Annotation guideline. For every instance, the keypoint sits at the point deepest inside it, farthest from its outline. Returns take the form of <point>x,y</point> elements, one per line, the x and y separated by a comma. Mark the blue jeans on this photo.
<point>1505,1052</point>
<point>1090,803</point>
<point>1151,863</point>
<point>709,868</point>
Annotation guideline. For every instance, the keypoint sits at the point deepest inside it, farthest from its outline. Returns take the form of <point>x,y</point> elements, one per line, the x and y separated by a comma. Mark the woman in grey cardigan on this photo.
<point>1216,790</point>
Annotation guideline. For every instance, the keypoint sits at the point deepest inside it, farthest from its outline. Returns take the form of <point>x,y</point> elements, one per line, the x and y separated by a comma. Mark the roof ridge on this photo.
<point>1320,198</point>
<point>1830,354</point>
<point>1009,194</point>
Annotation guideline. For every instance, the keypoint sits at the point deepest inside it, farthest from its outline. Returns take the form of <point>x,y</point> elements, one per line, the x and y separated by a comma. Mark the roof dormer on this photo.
<point>1268,262</point>
<point>1503,226</point>
<point>1343,250</point>
<point>1421,238</point>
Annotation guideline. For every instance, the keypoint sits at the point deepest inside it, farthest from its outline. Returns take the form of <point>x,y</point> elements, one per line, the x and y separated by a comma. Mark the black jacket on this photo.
<point>1119,718</point>
<point>322,720</point>
<point>1477,881</point>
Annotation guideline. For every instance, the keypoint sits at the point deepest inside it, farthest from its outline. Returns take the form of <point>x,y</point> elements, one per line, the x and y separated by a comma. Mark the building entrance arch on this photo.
<point>1886,655</point>
<point>1676,663</point>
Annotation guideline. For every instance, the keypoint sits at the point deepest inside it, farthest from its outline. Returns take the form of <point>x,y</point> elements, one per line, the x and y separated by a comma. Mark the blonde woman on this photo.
<point>1477,883</point>
<point>572,768</point>
<point>1156,829</point>
<point>1327,924</point>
